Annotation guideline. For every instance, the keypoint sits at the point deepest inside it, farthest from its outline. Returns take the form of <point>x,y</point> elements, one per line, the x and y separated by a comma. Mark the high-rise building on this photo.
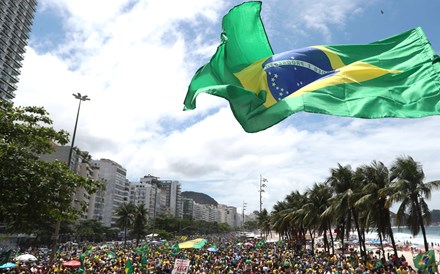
<point>149,193</point>
<point>16,17</point>
<point>171,198</point>
<point>187,207</point>
<point>117,188</point>
<point>158,196</point>
<point>80,164</point>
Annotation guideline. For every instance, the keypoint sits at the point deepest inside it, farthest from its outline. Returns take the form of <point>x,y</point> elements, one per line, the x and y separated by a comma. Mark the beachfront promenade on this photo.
<point>221,254</point>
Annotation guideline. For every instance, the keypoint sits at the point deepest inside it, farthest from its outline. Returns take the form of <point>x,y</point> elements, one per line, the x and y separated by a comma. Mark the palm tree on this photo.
<point>288,220</point>
<point>408,188</point>
<point>316,204</point>
<point>125,214</point>
<point>279,225</point>
<point>375,179</point>
<point>346,192</point>
<point>140,222</point>
<point>263,219</point>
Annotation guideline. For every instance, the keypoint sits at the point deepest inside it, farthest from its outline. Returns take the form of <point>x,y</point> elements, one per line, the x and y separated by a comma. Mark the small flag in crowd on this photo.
<point>128,267</point>
<point>175,249</point>
<point>426,262</point>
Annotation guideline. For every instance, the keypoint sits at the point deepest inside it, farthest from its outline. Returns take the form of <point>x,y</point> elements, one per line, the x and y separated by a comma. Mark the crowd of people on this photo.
<point>219,255</point>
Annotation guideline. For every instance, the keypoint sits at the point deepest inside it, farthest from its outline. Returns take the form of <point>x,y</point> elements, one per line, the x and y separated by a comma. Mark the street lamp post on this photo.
<point>261,190</point>
<point>80,98</point>
<point>56,234</point>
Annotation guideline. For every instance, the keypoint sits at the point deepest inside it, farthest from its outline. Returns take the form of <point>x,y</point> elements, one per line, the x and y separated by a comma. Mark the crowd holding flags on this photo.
<point>221,254</point>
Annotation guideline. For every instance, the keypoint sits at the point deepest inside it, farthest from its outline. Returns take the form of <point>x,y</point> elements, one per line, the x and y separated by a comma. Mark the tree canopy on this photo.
<point>33,191</point>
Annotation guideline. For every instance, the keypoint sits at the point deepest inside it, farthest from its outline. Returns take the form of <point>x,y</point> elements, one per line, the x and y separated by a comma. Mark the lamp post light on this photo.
<point>56,234</point>
<point>261,190</point>
<point>80,98</point>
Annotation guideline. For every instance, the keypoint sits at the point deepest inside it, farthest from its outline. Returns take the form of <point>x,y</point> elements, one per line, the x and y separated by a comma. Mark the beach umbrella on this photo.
<point>72,263</point>
<point>8,265</point>
<point>26,258</point>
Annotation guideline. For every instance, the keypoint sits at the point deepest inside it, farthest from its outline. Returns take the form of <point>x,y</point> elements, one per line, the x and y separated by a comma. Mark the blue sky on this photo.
<point>135,59</point>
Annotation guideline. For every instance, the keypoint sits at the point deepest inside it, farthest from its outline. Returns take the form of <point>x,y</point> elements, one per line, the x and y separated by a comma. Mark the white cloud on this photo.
<point>303,18</point>
<point>131,59</point>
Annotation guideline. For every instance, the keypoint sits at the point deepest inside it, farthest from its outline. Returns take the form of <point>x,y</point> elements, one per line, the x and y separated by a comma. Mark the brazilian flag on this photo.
<point>261,244</point>
<point>128,267</point>
<point>378,264</point>
<point>395,77</point>
<point>175,249</point>
<point>426,262</point>
<point>144,260</point>
<point>82,257</point>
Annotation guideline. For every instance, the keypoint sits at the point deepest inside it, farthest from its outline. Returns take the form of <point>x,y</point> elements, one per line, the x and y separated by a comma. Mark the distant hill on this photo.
<point>435,216</point>
<point>199,198</point>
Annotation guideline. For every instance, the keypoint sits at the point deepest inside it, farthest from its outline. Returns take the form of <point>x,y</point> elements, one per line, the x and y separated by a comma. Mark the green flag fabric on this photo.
<point>82,257</point>
<point>261,244</point>
<point>128,267</point>
<point>395,77</point>
<point>426,262</point>
<point>196,243</point>
<point>144,260</point>
<point>175,249</point>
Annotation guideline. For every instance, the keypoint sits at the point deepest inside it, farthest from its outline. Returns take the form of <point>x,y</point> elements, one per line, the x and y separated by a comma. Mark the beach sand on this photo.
<point>408,253</point>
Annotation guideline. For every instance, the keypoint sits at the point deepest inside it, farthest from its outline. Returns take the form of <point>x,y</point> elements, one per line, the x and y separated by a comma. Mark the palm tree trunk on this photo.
<point>125,236</point>
<point>331,238</point>
<point>312,238</point>
<point>326,245</point>
<point>343,237</point>
<point>361,240</point>
<point>422,226</point>
<point>392,241</point>
<point>381,246</point>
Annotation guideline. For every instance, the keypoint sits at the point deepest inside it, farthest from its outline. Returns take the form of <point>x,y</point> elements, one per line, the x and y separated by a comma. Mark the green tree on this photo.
<point>347,192</point>
<point>125,217</point>
<point>263,219</point>
<point>375,179</point>
<point>409,188</point>
<point>318,200</point>
<point>91,230</point>
<point>33,191</point>
<point>139,227</point>
<point>250,225</point>
<point>287,219</point>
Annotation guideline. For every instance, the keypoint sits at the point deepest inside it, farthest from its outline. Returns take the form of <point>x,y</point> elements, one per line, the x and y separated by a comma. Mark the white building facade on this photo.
<point>116,188</point>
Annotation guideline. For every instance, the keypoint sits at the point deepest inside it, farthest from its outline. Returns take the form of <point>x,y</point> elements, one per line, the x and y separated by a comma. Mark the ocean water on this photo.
<point>403,235</point>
